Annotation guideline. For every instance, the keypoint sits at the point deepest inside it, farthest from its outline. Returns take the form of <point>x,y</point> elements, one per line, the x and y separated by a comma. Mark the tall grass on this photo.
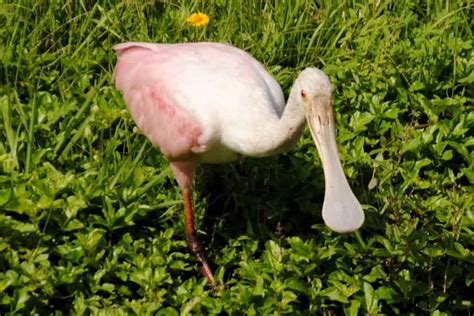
<point>90,216</point>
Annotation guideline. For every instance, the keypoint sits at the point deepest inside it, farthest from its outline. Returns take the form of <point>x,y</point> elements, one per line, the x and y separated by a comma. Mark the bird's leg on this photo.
<point>193,243</point>
<point>184,173</point>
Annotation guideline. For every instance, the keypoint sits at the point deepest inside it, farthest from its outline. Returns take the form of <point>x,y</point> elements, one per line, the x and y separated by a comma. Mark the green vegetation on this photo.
<point>91,220</point>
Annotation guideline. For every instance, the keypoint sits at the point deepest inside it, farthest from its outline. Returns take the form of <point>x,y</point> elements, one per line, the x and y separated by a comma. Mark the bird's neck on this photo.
<point>279,137</point>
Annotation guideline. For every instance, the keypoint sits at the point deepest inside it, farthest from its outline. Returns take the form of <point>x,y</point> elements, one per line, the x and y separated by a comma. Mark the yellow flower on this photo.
<point>198,19</point>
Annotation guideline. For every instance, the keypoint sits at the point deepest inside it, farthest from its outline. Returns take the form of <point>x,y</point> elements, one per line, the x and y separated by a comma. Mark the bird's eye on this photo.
<point>303,94</point>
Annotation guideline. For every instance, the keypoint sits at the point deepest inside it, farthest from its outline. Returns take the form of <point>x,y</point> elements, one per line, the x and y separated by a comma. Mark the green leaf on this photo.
<point>371,301</point>
<point>7,279</point>
<point>470,278</point>
<point>447,155</point>
<point>417,85</point>
<point>334,294</point>
<point>360,120</point>
<point>5,195</point>
<point>353,310</point>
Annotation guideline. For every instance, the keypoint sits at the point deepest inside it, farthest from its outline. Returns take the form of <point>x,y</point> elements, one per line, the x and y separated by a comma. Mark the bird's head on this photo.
<point>342,211</point>
<point>314,81</point>
<point>314,93</point>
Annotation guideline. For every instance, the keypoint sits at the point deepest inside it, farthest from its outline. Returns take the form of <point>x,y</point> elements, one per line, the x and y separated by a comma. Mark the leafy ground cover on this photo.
<point>91,219</point>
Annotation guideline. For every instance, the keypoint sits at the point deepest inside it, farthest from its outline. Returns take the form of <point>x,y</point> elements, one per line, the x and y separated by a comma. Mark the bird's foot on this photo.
<point>197,250</point>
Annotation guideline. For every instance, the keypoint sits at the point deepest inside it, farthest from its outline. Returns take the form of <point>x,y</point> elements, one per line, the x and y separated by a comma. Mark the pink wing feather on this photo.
<point>138,76</point>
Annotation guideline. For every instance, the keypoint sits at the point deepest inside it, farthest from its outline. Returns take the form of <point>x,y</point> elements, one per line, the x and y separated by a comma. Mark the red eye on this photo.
<point>303,94</point>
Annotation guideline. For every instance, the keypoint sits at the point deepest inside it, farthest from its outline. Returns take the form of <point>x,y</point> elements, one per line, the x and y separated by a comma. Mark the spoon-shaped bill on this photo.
<point>342,211</point>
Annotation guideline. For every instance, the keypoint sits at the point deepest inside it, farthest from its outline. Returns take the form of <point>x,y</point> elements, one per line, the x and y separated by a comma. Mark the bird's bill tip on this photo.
<point>342,211</point>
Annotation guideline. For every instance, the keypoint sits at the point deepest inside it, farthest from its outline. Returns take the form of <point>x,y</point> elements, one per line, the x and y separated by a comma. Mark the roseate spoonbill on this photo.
<point>211,102</point>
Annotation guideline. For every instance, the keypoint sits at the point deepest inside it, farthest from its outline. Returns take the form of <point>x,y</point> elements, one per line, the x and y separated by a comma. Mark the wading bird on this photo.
<point>211,102</point>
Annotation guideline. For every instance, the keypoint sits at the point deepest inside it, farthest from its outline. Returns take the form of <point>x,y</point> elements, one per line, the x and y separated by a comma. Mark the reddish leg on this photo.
<point>193,243</point>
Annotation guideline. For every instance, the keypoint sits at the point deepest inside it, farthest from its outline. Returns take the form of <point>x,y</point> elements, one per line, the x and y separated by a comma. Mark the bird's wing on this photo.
<point>222,90</point>
<point>139,75</point>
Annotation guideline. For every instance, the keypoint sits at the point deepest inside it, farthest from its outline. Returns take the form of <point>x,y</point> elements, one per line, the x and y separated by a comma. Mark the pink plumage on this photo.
<point>140,75</point>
